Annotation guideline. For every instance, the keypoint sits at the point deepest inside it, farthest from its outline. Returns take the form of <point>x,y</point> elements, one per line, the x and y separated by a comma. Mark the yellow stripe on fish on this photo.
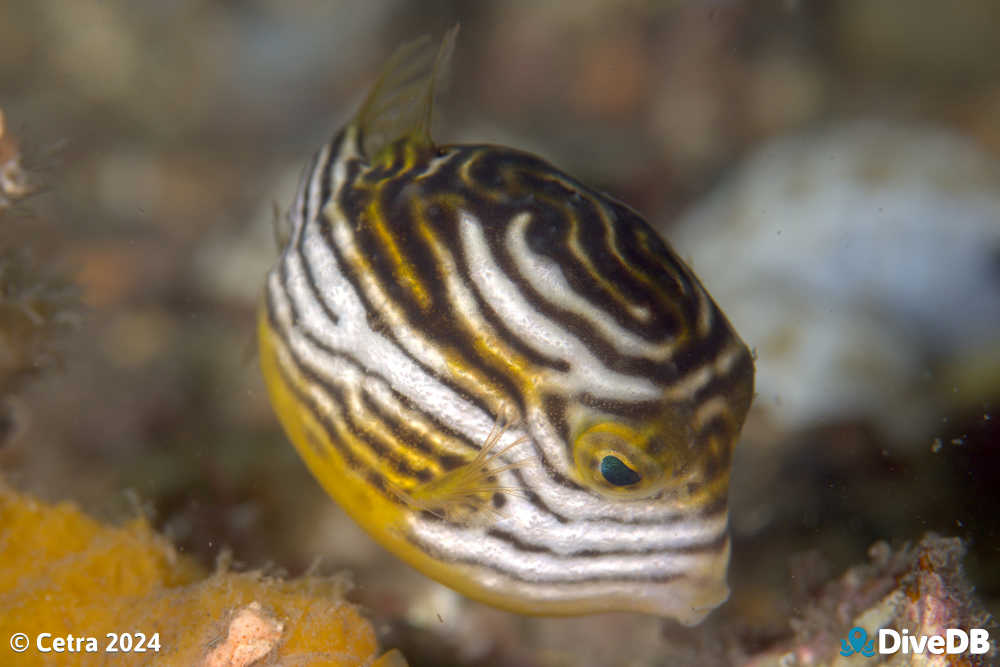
<point>507,378</point>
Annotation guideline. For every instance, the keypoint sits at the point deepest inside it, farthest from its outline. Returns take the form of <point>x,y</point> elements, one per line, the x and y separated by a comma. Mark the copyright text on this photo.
<point>110,642</point>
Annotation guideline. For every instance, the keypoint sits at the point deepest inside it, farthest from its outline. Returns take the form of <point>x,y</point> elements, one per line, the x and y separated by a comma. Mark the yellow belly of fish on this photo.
<point>381,518</point>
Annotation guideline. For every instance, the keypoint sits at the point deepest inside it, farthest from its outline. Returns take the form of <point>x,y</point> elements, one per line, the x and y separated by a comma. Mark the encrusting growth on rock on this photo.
<point>63,573</point>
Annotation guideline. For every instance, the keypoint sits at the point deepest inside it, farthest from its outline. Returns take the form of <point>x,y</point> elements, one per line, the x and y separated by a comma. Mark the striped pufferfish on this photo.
<point>507,378</point>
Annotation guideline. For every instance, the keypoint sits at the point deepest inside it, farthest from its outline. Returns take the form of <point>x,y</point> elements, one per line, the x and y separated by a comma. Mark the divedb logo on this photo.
<point>954,640</point>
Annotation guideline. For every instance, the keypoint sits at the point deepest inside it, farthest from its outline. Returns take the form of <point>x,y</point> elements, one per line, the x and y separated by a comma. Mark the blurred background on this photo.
<point>830,170</point>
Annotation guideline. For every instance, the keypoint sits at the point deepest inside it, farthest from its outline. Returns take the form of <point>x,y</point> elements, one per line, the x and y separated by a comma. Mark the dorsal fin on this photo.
<point>400,103</point>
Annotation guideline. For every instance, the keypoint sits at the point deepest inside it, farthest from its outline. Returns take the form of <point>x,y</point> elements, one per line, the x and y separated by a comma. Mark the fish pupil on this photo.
<point>616,472</point>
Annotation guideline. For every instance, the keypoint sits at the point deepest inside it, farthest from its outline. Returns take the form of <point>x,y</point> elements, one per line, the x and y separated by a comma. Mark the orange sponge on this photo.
<point>67,581</point>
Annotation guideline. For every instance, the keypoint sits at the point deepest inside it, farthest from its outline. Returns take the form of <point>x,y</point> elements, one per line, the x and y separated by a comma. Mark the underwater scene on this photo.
<point>515,334</point>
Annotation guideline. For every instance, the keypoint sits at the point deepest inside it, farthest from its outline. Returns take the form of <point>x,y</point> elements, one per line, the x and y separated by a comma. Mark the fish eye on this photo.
<point>616,472</point>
